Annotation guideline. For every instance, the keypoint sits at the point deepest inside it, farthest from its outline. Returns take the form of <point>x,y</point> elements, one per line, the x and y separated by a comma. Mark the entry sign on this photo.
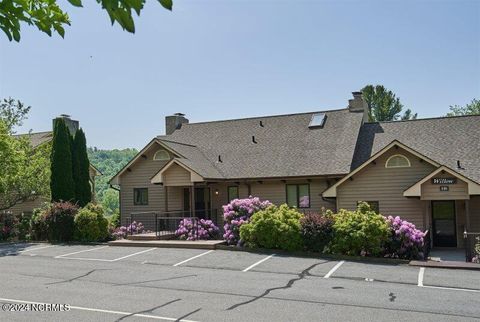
<point>443,188</point>
<point>444,180</point>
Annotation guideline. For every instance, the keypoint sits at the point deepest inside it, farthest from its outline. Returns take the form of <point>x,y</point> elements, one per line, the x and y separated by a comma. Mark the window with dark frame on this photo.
<point>232,193</point>
<point>374,205</point>
<point>140,196</point>
<point>298,195</point>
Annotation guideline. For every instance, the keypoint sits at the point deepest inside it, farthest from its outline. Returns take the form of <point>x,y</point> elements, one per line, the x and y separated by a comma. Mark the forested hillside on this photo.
<point>109,162</point>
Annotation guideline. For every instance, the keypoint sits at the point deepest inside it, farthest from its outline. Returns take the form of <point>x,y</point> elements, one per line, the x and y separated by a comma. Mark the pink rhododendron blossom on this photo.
<point>190,229</point>
<point>237,213</point>
<point>405,241</point>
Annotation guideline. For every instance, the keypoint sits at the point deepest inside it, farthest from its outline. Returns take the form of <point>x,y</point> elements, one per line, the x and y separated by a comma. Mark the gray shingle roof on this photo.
<point>285,146</point>
<point>444,140</point>
<point>37,138</point>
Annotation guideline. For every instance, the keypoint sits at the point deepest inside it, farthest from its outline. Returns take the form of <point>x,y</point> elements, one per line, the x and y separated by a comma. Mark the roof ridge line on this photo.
<point>426,119</point>
<point>267,116</point>
<point>194,146</point>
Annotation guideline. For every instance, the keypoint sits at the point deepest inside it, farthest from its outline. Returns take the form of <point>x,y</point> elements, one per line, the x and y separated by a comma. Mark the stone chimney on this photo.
<point>72,125</point>
<point>358,105</point>
<point>174,122</point>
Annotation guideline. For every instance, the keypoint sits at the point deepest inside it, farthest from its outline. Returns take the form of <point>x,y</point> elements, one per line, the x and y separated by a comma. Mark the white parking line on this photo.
<point>138,253</point>
<point>81,308</point>
<point>451,288</point>
<point>191,258</point>
<point>334,269</point>
<point>257,263</point>
<point>421,273</point>
<point>82,251</point>
<point>34,249</point>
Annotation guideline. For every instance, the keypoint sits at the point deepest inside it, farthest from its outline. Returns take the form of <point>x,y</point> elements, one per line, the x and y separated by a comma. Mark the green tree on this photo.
<point>24,170</point>
<point>110,202</point>
<point>48,17</point>
<point>80,168</point>
<point>62,185</point>
<point>383,105</point>
<point>472,108</point>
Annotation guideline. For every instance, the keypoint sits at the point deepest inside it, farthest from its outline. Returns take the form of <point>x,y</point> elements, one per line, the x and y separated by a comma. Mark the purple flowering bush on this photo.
<point>237,213</point>
<point>123,231</point>
<point>202,229</point>
<point>405,240</point>
<point>8,226</point>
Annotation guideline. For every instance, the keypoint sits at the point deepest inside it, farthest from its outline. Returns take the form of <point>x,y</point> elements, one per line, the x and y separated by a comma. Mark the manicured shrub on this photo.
<point>90,224</point>
<point>38,223</point>
<point>24,230</point>
<point>8,226</point>
<point>123,231</point>
<point>274,227</point>
<point>196,230</point>
<point>59,217</point>
<point>361,232</point>
<point>115,220</point>
<point>404,241</point>
<point>317,231</point>
<point>237,213</point>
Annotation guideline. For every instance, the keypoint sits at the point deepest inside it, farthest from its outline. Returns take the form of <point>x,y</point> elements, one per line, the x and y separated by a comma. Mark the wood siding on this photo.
<point>27,206</point>
<point>139,177</point>
<point>474,205</point>
<point>176,175</point>
<point>457,191</point>
<point>386,185</point>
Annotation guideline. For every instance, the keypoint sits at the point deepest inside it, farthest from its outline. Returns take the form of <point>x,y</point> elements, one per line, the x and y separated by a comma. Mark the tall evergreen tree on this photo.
<point>383,105</point>
<point>62,185</point>
<point>83,191</point>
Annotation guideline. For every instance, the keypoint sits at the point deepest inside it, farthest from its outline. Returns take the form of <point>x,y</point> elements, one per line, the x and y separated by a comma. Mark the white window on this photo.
<point>397,161</point>
<point>161,155</point>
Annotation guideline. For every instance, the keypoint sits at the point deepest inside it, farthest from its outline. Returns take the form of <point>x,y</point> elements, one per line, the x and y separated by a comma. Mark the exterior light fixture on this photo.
<point>216,192</point>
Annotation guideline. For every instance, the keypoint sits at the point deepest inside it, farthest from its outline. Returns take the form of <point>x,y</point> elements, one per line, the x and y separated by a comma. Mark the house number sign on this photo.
<point>444,181</point>
<point>443,188</point>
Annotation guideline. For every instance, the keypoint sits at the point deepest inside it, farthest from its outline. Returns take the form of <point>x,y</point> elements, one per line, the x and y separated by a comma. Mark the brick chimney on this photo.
<point>174,122</point>
<point>72,125</point>
<point>358,105</point>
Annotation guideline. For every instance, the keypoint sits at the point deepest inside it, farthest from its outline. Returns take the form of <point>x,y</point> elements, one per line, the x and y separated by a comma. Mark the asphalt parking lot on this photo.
<point>103,283</point>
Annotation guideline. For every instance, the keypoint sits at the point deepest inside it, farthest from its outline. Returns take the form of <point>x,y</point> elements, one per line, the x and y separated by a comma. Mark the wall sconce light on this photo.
<point>216,192</point>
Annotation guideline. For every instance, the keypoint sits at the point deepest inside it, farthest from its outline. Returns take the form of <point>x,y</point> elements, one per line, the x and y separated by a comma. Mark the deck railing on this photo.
<point>164,224</point>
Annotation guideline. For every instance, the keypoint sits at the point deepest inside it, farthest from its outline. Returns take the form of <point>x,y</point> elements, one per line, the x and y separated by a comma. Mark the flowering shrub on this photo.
<point>123,231</point>
<point>317,231</point>
<point>8,226</point>
<point>202,229</point>
<point>405,240</point>
<point>237,213</point>
<point>360,232</point>
<point>476,258</point>
<point>274,227</point>
<point>57,218</point>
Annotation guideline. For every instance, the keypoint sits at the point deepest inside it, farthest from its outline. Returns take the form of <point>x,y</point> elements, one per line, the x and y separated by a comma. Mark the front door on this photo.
<point>444,226</point>
<point>202,202</point>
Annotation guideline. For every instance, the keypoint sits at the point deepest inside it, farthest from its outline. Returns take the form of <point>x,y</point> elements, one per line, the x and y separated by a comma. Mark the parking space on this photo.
<point>222,259</point>
<point>295,265</point>
<point>464,279</point>
<point>371,272</point>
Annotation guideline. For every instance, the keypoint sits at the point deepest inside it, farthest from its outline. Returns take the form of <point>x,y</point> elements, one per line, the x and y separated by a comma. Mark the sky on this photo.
<point>224,59</point>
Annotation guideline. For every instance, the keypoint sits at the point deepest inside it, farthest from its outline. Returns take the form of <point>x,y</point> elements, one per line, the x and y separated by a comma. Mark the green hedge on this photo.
<point>90,224</point>
<point>274,227</point>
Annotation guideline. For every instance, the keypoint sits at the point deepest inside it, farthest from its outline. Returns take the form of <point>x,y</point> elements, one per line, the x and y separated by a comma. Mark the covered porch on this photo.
<point>452,213</point>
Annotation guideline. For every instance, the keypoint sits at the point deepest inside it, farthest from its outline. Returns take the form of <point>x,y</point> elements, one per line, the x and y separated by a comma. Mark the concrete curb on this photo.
<point>446,264</point>
<point>378,260</point>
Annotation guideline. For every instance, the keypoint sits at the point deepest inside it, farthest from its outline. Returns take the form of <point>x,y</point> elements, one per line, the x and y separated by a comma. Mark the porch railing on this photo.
<point>163,224</point>
<point>472,246</point>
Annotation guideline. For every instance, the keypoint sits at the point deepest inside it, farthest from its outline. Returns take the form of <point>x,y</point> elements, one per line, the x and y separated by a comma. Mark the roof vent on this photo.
<point>261,124</point>
<point>253,139</point>
<point>318,120</point>
<point>220,158</point>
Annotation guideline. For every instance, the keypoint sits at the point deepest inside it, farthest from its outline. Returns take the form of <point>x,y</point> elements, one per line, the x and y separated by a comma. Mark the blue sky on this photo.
<point>222,59</point>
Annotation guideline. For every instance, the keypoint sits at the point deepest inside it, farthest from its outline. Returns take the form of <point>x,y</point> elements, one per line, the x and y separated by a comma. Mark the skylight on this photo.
<point>318,120</point>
